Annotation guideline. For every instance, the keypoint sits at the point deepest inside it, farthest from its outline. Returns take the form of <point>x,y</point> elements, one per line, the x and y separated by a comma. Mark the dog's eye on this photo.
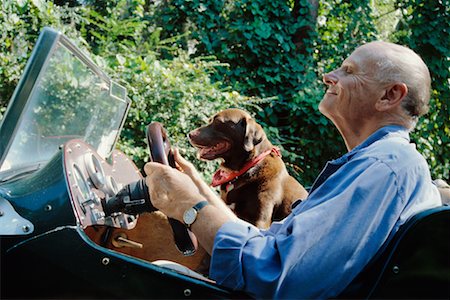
<point>231,124</point>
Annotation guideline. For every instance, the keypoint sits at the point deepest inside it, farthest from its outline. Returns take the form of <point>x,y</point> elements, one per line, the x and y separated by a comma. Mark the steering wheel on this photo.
<point>161,152</point>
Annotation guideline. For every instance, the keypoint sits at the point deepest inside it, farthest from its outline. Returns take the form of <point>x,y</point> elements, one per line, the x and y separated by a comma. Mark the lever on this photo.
<point>132,199</point>
<point>121,240</point>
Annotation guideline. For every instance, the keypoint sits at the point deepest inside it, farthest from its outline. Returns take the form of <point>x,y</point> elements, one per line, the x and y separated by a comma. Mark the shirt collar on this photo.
<point>383,132</point>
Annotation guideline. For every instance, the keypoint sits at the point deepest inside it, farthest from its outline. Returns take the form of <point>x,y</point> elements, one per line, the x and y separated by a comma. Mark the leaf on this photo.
<point>262,29</point>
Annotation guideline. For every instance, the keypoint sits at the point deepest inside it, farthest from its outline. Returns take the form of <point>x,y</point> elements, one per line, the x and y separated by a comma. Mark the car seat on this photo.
<point>413,264</point>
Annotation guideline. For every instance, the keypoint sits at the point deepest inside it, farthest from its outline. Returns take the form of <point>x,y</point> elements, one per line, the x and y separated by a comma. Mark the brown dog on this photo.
<point>252,175</point>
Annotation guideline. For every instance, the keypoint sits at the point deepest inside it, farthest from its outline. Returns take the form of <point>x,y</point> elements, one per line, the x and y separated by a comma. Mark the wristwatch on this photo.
<point>190,215</point>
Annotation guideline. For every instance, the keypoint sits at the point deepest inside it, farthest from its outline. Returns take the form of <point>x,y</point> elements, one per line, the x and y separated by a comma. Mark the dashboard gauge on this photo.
<point>82,185</point>
<point>92,181</point>
<point>111,187</point>
<point>95,170</point>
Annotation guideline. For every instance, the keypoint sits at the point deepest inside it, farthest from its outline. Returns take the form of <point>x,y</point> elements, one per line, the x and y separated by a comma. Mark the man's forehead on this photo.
<point>362,57</point>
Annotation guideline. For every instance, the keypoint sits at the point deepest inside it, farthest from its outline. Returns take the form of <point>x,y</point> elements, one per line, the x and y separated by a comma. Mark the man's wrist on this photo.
<point>190,215</point>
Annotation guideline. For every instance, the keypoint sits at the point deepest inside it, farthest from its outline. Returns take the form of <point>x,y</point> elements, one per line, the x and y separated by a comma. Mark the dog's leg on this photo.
<point>265,218</point>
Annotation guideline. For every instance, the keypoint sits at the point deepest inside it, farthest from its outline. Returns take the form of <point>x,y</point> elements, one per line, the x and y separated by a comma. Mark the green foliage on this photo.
<point>21,22</point>
<point>385,17</point>
<point>425,29</point>
<point>340,32</point>
<point>161,51</point>
<point>258,40</point>
<point>176,92</point>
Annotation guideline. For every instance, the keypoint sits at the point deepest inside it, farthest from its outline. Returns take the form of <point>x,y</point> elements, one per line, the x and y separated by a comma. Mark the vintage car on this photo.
<point>75,221</point>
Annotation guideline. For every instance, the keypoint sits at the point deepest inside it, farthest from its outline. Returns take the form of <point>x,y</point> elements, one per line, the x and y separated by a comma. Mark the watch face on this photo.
<point>189,216</point>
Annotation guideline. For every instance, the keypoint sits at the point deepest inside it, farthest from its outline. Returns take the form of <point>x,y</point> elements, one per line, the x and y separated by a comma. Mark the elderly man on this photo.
<point>358,200</point>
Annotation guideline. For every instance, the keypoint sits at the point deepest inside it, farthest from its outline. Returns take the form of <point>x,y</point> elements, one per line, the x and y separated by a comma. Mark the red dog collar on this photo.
<point>223,176</point>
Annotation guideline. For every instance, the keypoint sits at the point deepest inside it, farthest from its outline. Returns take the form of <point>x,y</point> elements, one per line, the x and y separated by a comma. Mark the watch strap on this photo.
<point>200,205</point>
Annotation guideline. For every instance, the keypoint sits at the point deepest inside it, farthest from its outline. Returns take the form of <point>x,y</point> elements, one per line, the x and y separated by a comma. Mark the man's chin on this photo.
<point>326,109</point>
<point>324,106</point>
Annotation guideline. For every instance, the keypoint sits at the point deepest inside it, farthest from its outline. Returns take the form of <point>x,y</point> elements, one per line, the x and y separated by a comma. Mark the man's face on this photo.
<point>352,91</point>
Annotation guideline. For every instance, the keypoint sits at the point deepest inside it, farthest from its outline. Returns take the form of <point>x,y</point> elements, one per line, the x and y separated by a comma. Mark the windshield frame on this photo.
<point>49,40</point>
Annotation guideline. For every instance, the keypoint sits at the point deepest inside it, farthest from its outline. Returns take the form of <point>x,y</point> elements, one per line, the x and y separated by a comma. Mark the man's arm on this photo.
<point>204,189</point>
<point>208,222</point>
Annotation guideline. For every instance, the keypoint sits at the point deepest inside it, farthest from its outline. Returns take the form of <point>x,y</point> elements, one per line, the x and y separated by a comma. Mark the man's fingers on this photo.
<point>148,169</point>
<point>182,162</point>
<point>178,158</point>
<point>151,167</point>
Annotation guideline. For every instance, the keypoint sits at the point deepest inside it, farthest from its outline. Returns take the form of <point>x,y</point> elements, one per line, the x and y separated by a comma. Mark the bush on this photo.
<point>259,40</point>
<point>21,23</point>
<point>179,94</point>
<point>161,52</point>
<point>176,92</point>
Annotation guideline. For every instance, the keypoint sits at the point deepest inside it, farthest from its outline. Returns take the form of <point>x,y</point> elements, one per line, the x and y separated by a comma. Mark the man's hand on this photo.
<point>189,169</point>
<point>174,191</point>
<point>204,189</point>
<point>171,191</point>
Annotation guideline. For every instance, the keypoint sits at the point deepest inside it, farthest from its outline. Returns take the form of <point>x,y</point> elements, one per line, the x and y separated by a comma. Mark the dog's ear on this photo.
<point>254,134</point>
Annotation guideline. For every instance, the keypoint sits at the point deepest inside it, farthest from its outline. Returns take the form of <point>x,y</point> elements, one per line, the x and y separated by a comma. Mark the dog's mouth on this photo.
<point>213,152</point>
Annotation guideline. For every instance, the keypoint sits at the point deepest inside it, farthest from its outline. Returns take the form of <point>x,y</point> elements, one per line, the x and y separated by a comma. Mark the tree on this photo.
<point>274,50</point>
<point>425,28</point>
<point>280,48</point>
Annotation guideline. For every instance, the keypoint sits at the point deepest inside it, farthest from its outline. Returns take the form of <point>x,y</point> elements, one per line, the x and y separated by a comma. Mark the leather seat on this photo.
<point>414,264</point>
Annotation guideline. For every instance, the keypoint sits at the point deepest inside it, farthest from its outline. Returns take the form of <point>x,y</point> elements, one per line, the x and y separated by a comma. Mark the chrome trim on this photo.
<point>11,223</point>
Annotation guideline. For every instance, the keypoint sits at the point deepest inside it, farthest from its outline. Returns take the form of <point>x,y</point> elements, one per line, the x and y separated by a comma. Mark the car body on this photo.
<point>58,162</point>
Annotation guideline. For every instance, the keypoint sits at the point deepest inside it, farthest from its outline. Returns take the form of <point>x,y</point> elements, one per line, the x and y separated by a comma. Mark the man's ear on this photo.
<point>393,97</point>
<point>254,134</point>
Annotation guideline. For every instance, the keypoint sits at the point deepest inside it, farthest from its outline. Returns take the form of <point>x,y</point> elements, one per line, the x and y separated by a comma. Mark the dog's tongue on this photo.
<point>211,152</point>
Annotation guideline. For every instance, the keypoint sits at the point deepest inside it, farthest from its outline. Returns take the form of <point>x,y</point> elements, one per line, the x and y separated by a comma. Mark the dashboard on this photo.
<point>92,180</point>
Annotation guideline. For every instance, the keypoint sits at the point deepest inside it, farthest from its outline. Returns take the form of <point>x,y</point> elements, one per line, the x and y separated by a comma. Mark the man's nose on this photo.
<point>330,78</point>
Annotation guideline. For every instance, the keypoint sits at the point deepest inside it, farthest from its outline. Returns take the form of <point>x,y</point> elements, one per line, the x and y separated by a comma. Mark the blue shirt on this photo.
<point>353,206</point>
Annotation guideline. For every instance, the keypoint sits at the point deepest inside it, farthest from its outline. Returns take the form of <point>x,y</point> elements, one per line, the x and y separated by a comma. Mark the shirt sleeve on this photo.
<point>317,250</point>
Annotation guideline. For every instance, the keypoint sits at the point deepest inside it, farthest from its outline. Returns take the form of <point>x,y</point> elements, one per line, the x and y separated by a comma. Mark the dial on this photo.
<point>189,216</point>
<point>95,170</point>
<point>81,185</point>
<point>111,186</point>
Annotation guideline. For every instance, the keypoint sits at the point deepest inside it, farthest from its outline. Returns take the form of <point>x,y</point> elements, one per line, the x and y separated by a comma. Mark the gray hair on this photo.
<point>400,64</point>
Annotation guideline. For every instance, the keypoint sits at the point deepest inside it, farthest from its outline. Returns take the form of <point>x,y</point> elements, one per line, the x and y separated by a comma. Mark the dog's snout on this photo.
<point>192,134</point>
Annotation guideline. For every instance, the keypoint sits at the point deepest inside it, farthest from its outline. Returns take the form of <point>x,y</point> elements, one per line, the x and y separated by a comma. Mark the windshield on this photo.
<point>70,99</point>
